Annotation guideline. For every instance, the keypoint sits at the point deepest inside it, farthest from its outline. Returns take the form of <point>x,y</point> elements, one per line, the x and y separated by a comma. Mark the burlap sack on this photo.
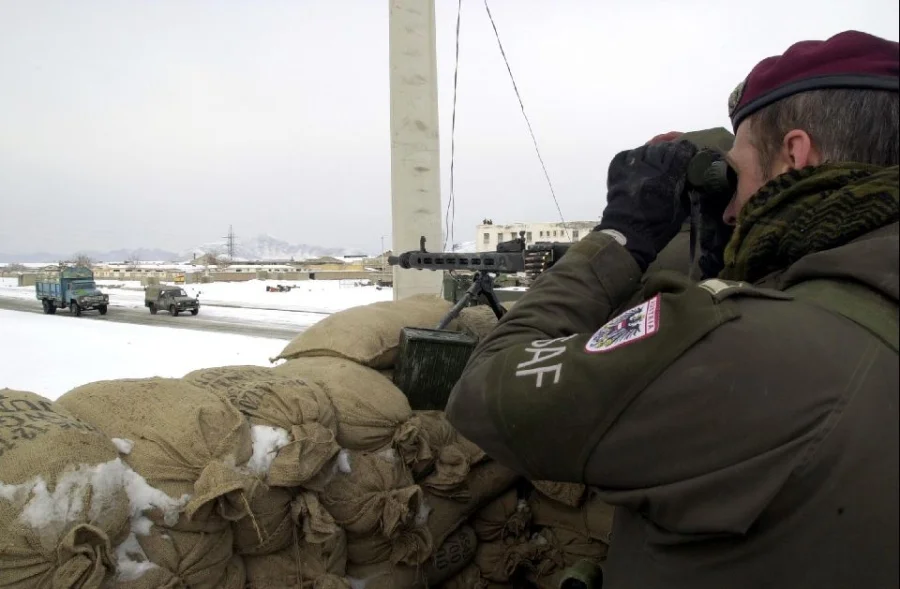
<point>226,377</point>
<point>269,527</point>
<point>498,561</point>
<point>385,575</point>
<point>374,494</point>
<point>368,406</point>
<point>506,518</point>
<point>297,406</point>
<point>186,440</point>
<point>302,566</point>
<point>63,502</point>
<point>469,578</point>
<point>315,524</point>
<point>369,334</point>
<point>452,556</point>
<point>199,560</point>
<point>565,549</point>
<point>486,482</point>
<point>438,456</point>
<point>593,519</point>
<point>478,320</point>
<point>571,494</point>
<point>408,545</point>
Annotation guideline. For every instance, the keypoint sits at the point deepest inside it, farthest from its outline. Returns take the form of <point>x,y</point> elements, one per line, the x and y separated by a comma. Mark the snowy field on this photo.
<point>50,355</point>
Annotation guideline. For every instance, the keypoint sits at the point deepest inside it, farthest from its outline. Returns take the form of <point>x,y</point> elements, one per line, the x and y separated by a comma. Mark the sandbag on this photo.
<point>452,556</point>
<point>372,494</point>
<point>269,527</point>
<point>199,560</point>
<point>477,321</point>
<point>385,575</point>
<point>368,334</point>
<point>499,561</point>
<point>565,548</point>
<point>303,566</point>
<point>296,406</point>
<point>506,518</point>
<point>408,544</point>
<point>369,408</point>
<point>439,457</point>
<point>593,519</point>
<point>571,494</point>
<point>469,578</point>
<point>186,440</point>
<point>63,498</point>
<point>486,482</point>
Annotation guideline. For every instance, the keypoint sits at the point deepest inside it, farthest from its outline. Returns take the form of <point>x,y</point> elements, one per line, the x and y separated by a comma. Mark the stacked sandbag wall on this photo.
<point>313,474</point>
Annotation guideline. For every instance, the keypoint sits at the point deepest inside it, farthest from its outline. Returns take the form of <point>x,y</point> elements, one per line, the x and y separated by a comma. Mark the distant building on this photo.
<point>489,234</point>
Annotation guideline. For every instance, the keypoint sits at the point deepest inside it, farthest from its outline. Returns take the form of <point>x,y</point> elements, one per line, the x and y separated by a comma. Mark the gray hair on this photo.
<point>845,126</point>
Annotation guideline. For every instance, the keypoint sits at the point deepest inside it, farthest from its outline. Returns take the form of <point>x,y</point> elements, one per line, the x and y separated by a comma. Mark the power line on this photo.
<point>230,241</point>
<point>450,218</point>
<point>524,114</point>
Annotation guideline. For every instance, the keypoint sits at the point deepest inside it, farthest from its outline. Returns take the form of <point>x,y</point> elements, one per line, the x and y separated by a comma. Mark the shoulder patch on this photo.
<point>634,324</point>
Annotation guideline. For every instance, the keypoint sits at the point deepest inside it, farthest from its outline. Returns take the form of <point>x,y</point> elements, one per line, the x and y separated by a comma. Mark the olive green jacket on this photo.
<point>748,439</point>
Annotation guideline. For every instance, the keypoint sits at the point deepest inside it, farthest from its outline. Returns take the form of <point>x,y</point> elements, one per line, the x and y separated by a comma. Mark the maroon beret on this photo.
<point>850,60</point>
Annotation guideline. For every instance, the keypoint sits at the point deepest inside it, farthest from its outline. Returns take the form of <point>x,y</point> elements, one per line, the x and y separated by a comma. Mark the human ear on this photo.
<point>798,151</point>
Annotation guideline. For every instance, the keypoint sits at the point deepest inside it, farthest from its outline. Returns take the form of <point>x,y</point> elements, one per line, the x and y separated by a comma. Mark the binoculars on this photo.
<point>709,173</point>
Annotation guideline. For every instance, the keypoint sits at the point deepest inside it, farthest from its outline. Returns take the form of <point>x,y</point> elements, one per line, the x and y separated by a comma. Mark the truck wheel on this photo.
<point>74,309</point>
<point>194,311</point>
<point>52,310</point>
<point>153,309</point>
<point>46,305</point>
<point>102,309</point>
<point>173,311</point>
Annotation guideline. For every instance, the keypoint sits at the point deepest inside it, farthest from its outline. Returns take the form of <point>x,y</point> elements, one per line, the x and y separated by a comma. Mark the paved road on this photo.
<point>142,317</point>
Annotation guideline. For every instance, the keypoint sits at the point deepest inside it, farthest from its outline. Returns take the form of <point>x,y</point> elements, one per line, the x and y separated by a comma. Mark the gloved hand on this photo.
<point>645,205</point>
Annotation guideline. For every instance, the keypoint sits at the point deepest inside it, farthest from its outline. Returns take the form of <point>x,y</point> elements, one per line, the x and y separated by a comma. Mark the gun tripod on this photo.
<point>482,284</point>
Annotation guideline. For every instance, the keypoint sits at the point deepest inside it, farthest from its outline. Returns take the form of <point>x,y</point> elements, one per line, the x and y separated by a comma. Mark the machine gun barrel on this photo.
<point>497,262</point>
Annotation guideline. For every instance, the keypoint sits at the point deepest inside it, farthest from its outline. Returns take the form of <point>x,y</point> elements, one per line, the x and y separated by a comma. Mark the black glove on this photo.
<point>645,200</point>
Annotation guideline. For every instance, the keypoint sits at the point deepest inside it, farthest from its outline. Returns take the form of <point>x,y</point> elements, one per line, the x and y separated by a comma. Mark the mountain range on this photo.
<point>261,247</point>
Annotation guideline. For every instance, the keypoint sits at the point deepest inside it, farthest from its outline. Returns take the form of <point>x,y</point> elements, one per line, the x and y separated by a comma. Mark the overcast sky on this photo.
<point>138,123</point>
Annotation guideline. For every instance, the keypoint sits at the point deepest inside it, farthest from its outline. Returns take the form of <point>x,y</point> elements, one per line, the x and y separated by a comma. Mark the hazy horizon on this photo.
<point>131,125</point>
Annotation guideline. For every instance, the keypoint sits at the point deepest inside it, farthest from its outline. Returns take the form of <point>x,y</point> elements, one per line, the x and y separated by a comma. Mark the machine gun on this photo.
<point>511,257</point>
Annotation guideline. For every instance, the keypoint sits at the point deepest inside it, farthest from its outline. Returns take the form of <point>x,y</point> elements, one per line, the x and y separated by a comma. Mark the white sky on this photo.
<point>131,123</point>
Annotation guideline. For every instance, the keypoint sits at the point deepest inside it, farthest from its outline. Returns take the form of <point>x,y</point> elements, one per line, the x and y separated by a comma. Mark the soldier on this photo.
<point>746,426</point>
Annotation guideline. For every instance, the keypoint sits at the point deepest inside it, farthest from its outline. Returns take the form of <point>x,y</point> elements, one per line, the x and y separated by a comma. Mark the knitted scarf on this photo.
<point>809,210</point>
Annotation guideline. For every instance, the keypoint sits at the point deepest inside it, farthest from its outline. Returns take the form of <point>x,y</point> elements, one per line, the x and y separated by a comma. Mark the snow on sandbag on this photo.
<point>486,482</point>
<point>571,494</point>
<point>438,456</point>
<point>593,519</point>
<point>505,518</point>
<point>296,406</point>
<point>372,494</point>
<point>306,565</point>
<point>64,504</point>
<point>565,548</point>
<point>368,334</point>
<point>369,408</point>
<point>186,440</point>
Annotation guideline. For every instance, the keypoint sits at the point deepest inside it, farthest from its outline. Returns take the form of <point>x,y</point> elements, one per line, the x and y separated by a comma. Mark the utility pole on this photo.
<point>415,146</point>
<point>382,256</point>
<point>230,242</point>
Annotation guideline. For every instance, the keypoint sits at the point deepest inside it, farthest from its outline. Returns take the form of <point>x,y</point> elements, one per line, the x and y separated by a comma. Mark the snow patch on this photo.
<point>124,446</point>
<point>267,441</point>
<point>132,560</point>
<point>343,462</point>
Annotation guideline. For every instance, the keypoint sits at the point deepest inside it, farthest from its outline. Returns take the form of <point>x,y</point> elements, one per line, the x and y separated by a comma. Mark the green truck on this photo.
<point>74,289</point>
<point>170,298</point>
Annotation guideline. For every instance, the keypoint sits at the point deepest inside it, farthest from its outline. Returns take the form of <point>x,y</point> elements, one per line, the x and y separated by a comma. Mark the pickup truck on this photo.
<point>169,298</point>
<point>73,288</point>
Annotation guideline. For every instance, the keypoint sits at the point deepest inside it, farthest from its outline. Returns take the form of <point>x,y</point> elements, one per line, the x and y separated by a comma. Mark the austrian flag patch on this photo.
<point>634,324</point>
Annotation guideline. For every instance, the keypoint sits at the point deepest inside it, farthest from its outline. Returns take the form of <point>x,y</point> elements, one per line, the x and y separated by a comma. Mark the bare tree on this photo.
<point>214,257</point>
<point>84,260</point>
<point>15,268</point>
<point>133,261</point>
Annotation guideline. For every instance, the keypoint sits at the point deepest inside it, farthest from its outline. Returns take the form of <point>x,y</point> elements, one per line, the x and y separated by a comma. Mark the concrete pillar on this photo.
<point>415,147</point>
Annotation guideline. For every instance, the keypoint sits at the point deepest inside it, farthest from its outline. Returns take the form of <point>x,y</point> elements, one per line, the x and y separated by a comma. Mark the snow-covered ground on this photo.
<point>311,296</point>
<point>50,355</point>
